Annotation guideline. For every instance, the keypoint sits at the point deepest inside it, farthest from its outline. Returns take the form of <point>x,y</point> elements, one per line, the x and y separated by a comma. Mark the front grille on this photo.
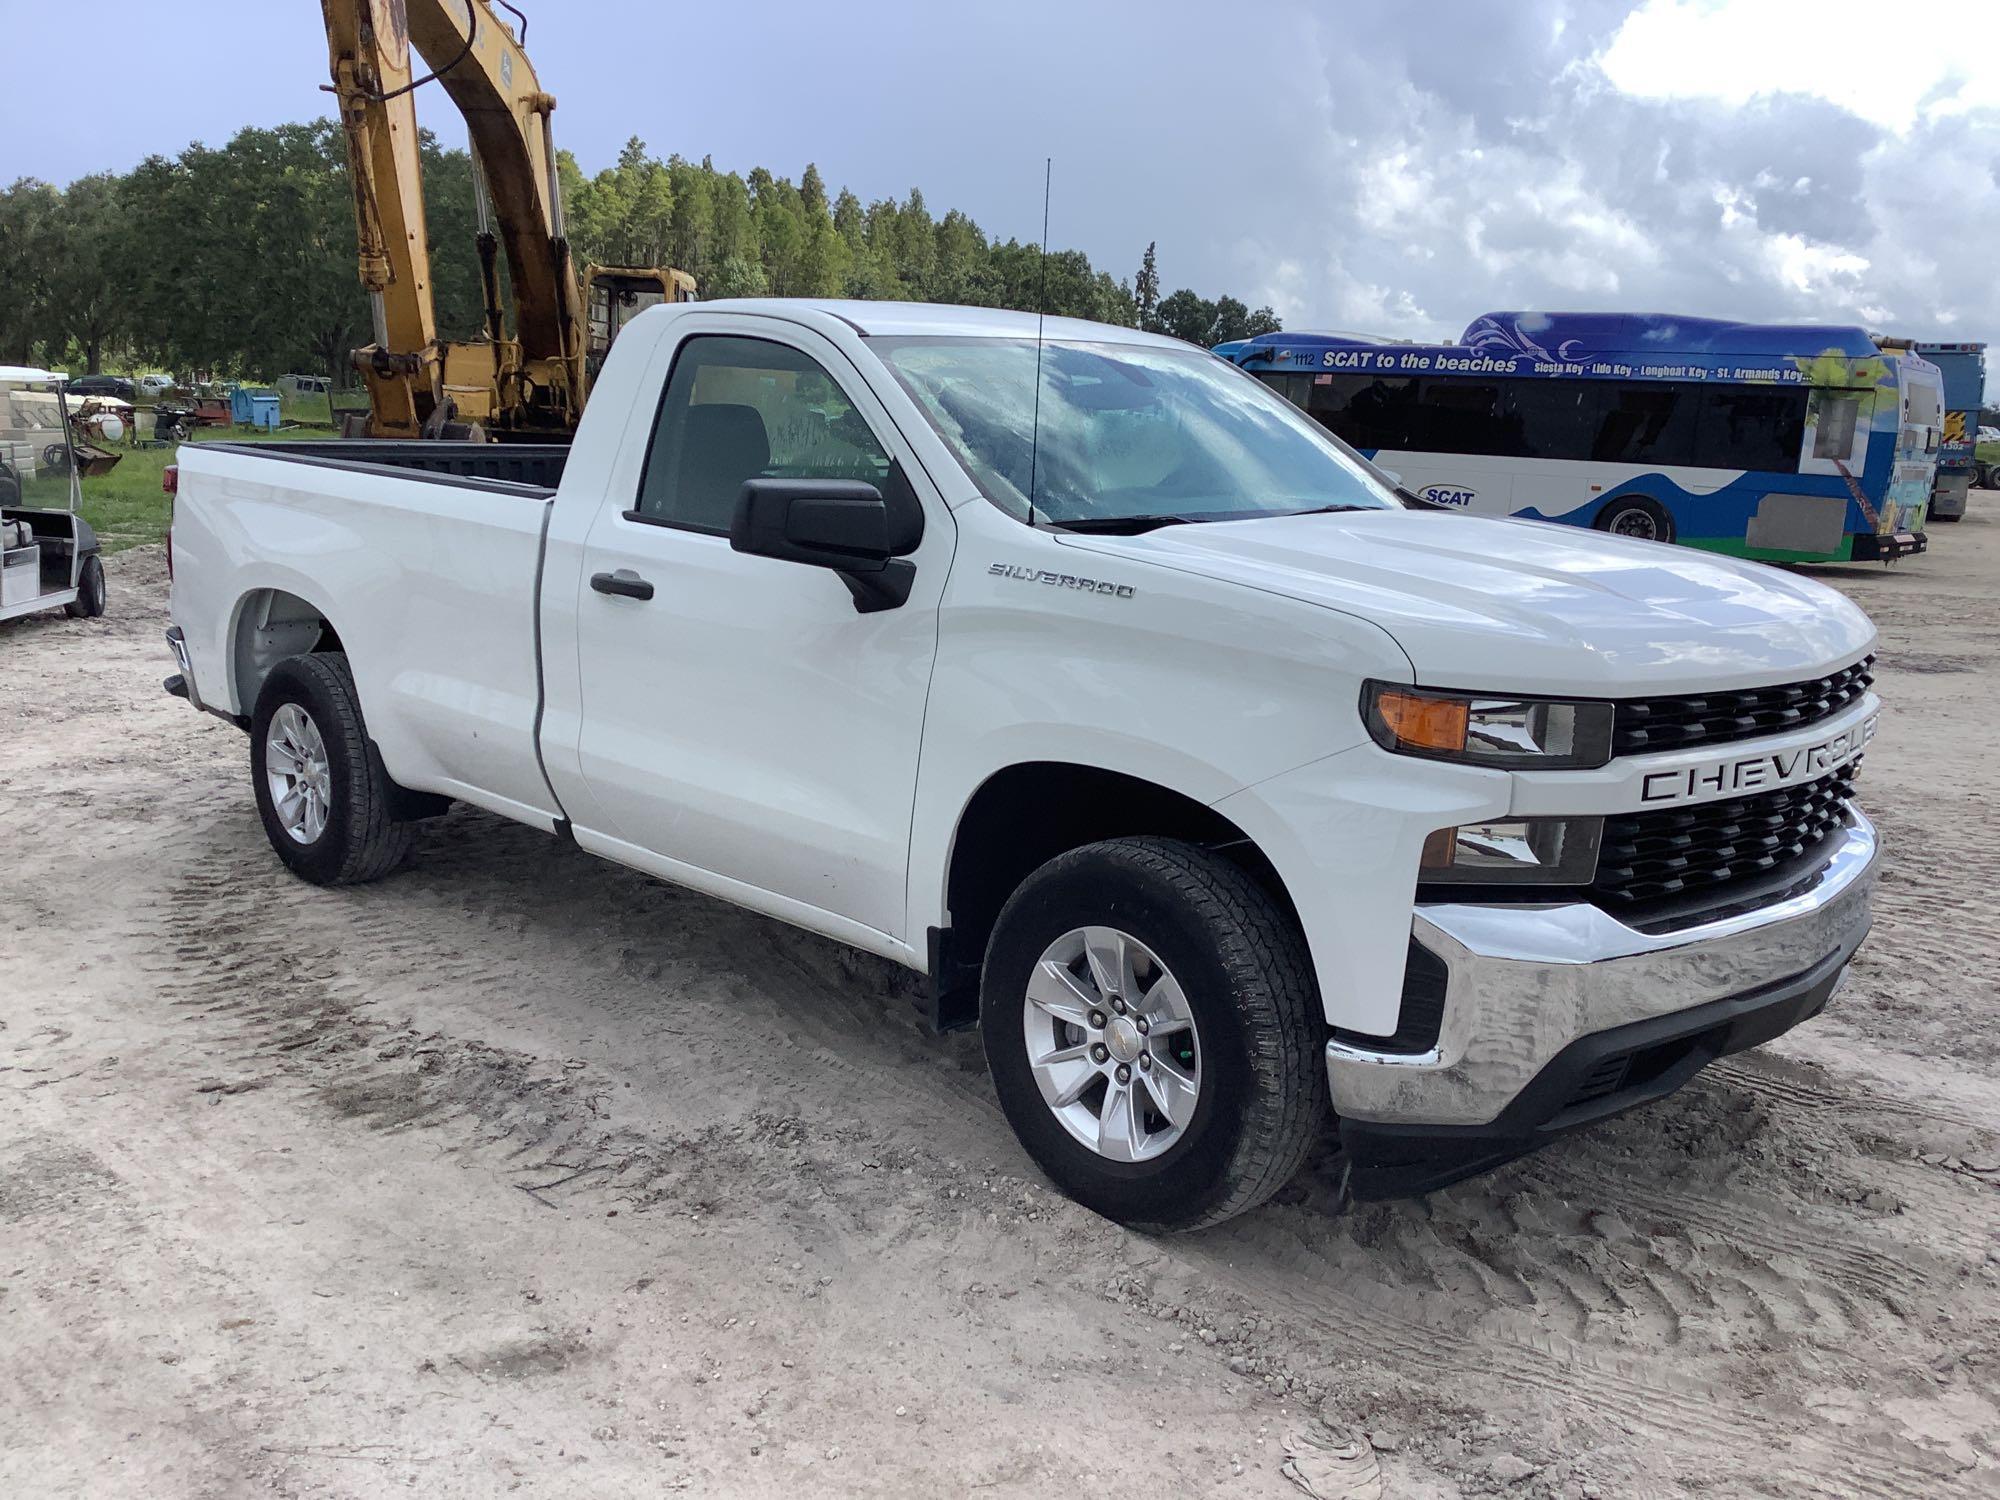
<point>1659,856</point>
<point>1644,725</point>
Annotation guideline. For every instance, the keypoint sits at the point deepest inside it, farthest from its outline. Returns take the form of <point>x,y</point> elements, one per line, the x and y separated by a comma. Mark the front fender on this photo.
<point>1345,835</point>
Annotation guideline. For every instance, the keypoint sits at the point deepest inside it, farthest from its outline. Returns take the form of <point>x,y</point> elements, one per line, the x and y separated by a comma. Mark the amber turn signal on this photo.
<point>1420,721</point>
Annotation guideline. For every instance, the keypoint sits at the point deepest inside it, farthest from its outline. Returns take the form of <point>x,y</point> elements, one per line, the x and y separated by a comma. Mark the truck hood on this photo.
<point>1526,606</point>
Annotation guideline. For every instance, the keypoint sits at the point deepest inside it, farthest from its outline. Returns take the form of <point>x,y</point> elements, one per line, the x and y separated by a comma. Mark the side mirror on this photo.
<point>841,524</point>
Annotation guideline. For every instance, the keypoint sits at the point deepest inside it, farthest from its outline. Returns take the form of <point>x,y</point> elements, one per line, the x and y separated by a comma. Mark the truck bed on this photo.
<point>425,557</point>
<point>508,468</point>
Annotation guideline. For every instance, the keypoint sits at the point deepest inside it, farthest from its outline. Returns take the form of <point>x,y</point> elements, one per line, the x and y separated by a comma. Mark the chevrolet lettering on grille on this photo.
<point>1753,773</point>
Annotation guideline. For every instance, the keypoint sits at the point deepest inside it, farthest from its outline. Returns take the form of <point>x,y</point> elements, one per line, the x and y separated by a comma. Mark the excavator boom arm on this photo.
<point>481,66</point>
<point>534,380</point>
<point>368,45</point>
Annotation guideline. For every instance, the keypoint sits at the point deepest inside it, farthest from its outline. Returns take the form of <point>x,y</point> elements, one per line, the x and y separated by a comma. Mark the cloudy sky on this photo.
<point>1395,166</point>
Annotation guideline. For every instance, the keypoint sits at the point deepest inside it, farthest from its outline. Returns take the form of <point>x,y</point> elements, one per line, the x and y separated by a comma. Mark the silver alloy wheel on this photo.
<point>296,768</point>
<point>1636,522</point>
<point>1112,1043</point>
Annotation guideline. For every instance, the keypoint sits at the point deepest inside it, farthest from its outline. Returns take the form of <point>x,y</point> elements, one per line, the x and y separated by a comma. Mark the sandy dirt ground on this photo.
<point>519,1171</point>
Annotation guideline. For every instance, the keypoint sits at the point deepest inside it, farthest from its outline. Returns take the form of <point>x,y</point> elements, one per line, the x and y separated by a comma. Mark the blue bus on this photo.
<point>1787,443</point>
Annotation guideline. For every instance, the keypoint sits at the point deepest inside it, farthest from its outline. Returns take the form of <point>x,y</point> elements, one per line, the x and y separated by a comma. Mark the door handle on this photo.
<point>624,582</point>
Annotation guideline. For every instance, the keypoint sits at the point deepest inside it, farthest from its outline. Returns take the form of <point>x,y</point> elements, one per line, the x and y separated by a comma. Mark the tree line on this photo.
<point>239,259</point>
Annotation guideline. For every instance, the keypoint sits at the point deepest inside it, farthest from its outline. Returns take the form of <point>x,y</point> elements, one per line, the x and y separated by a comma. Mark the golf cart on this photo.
<point>48,553</point>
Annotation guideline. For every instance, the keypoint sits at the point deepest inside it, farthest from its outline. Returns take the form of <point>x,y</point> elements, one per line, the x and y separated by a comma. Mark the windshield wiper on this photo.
<point>1119,525</point>
<point>1327,510</point>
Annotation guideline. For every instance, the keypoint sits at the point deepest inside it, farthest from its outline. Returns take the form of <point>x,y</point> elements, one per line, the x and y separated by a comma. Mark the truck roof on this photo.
<point>939,319</point>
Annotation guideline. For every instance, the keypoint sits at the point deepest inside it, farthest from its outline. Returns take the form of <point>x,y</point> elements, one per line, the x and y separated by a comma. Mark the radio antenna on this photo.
<point>1041,313</point>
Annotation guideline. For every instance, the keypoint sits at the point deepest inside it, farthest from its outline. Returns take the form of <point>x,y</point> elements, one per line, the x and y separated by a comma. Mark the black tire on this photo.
<point>10,487</point>
<point>360,840</point>
<point>1243,966</point>
<point>1637,517</point>
<point>90,592</point>
<point>55,458</point>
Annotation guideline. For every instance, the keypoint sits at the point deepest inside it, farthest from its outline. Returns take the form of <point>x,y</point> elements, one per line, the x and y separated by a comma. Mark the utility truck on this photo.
<point>1246,803</point>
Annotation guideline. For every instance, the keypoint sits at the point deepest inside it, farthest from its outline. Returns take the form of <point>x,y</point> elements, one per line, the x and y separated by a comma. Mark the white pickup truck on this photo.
<point>1233,793</point>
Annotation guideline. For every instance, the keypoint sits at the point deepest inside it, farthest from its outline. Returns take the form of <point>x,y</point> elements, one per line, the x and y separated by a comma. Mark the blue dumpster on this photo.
<point>249,407</point>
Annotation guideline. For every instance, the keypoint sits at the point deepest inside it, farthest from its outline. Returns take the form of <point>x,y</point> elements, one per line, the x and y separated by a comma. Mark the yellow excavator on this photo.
<point>527,384</point>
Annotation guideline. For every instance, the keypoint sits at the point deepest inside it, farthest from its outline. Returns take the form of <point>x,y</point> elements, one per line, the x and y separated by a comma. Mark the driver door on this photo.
<point>744,728</point>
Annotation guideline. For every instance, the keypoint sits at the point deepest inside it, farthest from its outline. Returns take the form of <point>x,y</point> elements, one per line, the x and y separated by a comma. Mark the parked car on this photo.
<point>119,387</point>
<point>151,386</point>
<point>1222,785</point>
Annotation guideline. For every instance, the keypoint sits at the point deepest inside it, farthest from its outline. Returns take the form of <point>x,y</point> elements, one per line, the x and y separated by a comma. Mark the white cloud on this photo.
<point>1888,64</point>
<point>1520,157</point>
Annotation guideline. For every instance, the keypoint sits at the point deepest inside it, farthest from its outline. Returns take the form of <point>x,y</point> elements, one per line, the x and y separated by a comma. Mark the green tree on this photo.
<point>28,211</point>
<point>812,192</point>
<point>241,259</point>
<point>849,221</point>
<point>86,292</point>
<point>737,276</point>
<point>1146,289</point>
<point>1187,315</point>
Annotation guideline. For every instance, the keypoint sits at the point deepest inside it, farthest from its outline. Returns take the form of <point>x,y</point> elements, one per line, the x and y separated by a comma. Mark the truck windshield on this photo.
<point>1130,435</point>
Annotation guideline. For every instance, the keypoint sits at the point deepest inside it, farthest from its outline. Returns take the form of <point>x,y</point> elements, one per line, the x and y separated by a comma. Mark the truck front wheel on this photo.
<point>321,790</point>
<point>1154,1033</point>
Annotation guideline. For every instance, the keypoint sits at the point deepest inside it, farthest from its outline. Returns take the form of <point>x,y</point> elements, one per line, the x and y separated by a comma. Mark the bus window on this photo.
<point>1744,427</point>
<point>1464,416</point>
<point>1554,419</point>
<point>1833,437</point>
<point>1292,387</point>
<point>1367,411</point>
<point>1645,424</point>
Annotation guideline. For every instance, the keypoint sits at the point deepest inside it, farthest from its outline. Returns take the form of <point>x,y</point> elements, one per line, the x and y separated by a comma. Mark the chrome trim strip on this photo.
<point>177,643</point>
<point>1526,981</point>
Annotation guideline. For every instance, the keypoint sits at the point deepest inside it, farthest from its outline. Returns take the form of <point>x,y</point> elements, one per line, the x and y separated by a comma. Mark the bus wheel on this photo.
<point>1636,516</point>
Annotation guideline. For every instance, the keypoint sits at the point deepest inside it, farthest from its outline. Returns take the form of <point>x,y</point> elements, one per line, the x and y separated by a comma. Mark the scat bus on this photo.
<point>1788,443</point>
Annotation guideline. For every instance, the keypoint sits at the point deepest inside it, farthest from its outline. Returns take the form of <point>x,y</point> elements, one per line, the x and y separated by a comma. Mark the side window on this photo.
<point>1833,432</point>
<point>1646,424</point>
<point>1292,387</point>
<point>1555,419</point>
<point>738,409</point>
<point>1370,413</point>
<point>1458,415</point>
<point>1751,427</point>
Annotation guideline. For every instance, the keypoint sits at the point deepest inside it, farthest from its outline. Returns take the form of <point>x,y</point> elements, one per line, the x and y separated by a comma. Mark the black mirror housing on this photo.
<point>842,524</point>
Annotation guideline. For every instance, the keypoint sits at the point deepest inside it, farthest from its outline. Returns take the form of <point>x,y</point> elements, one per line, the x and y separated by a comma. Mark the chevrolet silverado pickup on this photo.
<point>1232,793</point>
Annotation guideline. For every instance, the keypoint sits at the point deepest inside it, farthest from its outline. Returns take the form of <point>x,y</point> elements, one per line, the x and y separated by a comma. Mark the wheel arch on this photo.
<point>268,625</point>
<point>1025,814</point>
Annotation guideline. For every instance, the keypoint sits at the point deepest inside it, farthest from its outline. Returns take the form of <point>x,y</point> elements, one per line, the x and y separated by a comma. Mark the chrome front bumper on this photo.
<point>1525,982</point>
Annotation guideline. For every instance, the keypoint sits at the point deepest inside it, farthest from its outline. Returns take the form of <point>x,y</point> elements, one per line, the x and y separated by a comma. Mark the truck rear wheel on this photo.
<point>1154,1033</point>
<point>325,800</point>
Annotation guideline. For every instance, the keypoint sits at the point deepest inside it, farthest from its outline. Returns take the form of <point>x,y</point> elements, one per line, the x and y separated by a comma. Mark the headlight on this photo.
<point>1483,729</point>
<point>1531,851</point>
